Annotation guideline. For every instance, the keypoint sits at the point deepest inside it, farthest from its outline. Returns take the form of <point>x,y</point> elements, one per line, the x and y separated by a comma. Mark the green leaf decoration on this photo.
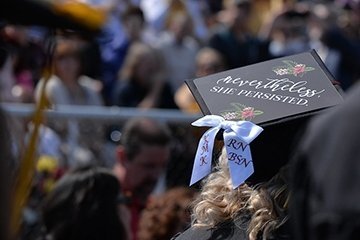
<point>258,112</point>
<point>290,63</point>
<point>238,106</point>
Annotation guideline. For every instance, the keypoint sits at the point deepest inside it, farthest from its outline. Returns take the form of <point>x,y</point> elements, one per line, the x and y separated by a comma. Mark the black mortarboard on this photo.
<point>279,95</point>
<point>73,15</point>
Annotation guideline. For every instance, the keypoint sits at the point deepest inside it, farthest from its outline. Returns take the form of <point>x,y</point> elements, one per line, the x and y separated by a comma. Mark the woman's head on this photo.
<point>209,61</point>
<point>180,24</point>
<point>266,203</point>
<point>134,21</point>
<point>84,205</point>
<point>142,64</point>
<point>218,201</point>
<point>67,64</point>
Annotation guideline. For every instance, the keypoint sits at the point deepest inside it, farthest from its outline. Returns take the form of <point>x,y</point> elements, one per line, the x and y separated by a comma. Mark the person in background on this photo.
<point>11,89</point>
<point>143,154</point>
<point>143,82</point>
<point>84,205</point>
<point>166,214</point>
<point>221,212</point>
<point>7,78</point>
<point>111,42</point>
<point>178,42</point>
<point>132,23</point>
<point>208,61</point>
<point>320,26</point>
<point>342,36</point>
<point>82,140</point>
<point>234,40</point>
<point>28,56</point>
<point>67,85</point>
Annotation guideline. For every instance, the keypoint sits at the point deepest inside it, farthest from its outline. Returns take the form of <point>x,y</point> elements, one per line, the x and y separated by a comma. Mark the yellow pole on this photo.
<point>90,18</point>
<point>26,170</point>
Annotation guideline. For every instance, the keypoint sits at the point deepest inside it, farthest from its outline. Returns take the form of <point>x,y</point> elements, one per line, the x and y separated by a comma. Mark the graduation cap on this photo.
<point>278,95</point>
<point>64,14</point>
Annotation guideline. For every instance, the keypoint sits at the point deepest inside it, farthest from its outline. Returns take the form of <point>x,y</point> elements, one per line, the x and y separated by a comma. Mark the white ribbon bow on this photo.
<point>237,137</point>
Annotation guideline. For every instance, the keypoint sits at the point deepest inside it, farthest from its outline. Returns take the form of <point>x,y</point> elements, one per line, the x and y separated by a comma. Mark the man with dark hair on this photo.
<point>142,156</point>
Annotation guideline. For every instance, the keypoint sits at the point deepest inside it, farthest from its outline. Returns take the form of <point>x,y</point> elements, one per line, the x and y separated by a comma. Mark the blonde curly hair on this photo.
<point>266,203</point>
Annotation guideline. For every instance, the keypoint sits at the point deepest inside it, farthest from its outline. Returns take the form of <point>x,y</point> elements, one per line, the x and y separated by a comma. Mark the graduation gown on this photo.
<point>229,230</point>
<point>326,175</point>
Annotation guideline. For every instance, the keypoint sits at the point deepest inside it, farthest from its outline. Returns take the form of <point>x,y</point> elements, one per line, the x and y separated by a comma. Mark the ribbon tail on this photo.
<point>203,157</point>
<point>239,159</point>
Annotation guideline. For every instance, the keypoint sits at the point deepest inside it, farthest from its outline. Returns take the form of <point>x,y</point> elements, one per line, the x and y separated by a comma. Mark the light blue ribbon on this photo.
<point>237,137</point>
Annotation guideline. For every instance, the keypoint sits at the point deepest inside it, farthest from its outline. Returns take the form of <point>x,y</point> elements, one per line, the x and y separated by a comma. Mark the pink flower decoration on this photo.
<point>299,69</point>
<point>247,113</point>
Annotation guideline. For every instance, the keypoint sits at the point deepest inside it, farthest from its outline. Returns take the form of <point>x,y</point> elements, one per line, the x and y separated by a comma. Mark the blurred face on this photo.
<point>67,67</point>
<point>17,33</point>
<point>208,62</point>
<point>236,17</point>
<point>208,67</point>
<point>134,26</point>
<point>180,26</point>
<point>145,70</point>
<point>143,171</point>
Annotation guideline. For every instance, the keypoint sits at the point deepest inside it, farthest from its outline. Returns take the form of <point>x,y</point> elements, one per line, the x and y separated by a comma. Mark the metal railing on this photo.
<point>101,113</point>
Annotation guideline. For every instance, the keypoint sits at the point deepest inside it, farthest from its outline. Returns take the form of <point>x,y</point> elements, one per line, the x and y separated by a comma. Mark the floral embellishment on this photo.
<point>293,68</point>
<point>299,69</point>
<point>248,113</point>
<point>240,112</point>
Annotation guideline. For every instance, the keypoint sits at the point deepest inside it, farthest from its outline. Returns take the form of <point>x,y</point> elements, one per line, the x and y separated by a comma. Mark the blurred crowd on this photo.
<point>140,59</point>
<point>161,40</point>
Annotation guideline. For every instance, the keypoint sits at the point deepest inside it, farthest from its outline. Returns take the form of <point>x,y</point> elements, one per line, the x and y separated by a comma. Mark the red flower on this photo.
<point>299,69</point>
<point>247,113</point>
